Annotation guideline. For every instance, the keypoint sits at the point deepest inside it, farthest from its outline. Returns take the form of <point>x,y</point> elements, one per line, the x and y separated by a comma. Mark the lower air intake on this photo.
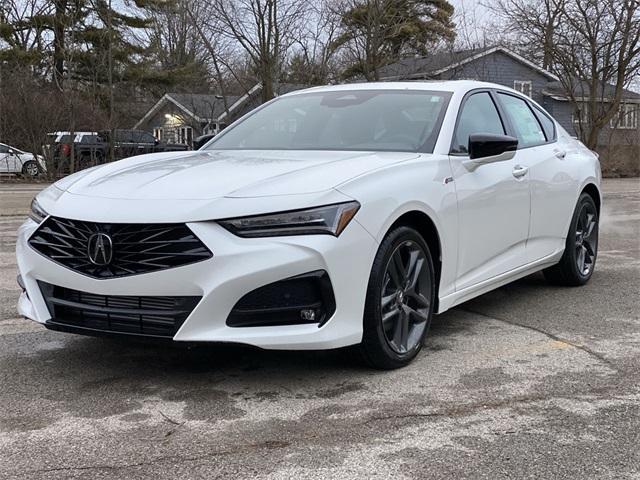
<point>303,299</point>
<point>123,314</point>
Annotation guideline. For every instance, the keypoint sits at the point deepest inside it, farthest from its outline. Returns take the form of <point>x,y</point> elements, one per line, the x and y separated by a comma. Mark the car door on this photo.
<point>550,184</point>
<point>4,158</point>
<point>493,198</point>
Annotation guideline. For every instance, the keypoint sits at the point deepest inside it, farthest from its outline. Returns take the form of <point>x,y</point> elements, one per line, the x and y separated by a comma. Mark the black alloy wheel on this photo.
<point>586,239</point>
<point>581,249</point>
<point>404,306</point>
<point>400,300</point>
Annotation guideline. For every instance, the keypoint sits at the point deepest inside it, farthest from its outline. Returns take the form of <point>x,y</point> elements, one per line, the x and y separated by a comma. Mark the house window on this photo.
<point>158,132</point>
<point>185,135</point>
<point>627,117</point>
<point>523,86</point>
<point>581,115</point>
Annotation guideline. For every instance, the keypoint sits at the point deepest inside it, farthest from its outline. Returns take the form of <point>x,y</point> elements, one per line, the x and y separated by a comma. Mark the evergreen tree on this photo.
<point>376,32</point>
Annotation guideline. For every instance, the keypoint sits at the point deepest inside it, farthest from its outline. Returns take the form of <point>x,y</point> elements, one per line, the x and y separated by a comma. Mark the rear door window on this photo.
<point>527,127</point>
<point>548,125</point>
<point>146,137</point>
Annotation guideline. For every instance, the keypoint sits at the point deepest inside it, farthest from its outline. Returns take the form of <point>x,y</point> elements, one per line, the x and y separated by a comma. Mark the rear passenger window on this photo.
<point>146,137</point>
<point>526,125</point>
<point>478,115</point>
<point>547,124</point>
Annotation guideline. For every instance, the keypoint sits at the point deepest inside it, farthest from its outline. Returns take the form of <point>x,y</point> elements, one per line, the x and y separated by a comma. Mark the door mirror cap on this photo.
<point>489,145</point>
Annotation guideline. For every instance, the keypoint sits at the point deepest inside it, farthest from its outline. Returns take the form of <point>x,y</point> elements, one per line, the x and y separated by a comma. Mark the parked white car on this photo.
<point>13,160</point>
<point>334,216</point>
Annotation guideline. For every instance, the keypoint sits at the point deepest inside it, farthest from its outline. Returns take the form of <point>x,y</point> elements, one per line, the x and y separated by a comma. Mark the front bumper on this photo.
<point>238,266</point>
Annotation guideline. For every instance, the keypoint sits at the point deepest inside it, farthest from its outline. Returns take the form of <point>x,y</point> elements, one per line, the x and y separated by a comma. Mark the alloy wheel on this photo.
<point>31,169</point>
<point>586,239</point>
<point>405,297</point>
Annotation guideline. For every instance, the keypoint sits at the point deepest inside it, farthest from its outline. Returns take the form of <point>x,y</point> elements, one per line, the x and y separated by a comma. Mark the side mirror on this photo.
<point>11,151</point>
<point>490,147</point>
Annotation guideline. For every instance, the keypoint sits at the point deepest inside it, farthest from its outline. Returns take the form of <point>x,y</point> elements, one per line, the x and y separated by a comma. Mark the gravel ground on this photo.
<point>528,381</point>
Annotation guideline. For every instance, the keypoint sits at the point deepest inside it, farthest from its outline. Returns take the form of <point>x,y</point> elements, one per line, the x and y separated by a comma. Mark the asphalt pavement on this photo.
<point>528,381</point>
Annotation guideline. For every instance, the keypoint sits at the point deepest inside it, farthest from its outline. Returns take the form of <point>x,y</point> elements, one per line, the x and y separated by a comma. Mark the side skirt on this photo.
<point>478,289</point>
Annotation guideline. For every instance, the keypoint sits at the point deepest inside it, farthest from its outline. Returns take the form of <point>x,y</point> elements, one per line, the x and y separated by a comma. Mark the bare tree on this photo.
<point>592,45</point>
<point>313,62</point>
<point>265,30</point>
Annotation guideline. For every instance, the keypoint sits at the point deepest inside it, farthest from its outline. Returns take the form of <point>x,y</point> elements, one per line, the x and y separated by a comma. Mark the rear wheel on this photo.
<point>400,299</point>
<point>30,168</point>
<point>579,259</point>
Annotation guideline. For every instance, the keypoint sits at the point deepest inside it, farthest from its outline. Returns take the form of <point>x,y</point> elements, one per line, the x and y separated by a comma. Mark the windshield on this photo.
<point>366,120</point>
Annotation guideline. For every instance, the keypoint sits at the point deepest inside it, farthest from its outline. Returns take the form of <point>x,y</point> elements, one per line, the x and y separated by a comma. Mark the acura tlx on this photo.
<point>328,217</point>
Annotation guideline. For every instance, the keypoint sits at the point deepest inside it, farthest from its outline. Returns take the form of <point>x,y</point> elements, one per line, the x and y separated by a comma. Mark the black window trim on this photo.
<point>501,114</point>
<point>512,130</point>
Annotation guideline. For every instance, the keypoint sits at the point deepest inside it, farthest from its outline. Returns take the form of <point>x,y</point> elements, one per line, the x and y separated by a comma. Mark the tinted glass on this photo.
<point>366,120</point>
<point>146,137</point>
<point>527,128</point>
<point>65,139</point>
<point>89,139</point>
<point>123,136</point>
<point>547,124</point>
<point>3,148</point>
<point>479,115</point>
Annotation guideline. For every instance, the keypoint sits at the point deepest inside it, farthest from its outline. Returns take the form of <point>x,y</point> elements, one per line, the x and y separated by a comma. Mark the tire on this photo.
<point>409,290</point>
<point>84,161</point>
<point>30,169</point>
<point>581,250</point>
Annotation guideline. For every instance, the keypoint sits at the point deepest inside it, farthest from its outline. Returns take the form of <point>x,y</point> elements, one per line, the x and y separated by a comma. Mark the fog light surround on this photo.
<point>303,299</point>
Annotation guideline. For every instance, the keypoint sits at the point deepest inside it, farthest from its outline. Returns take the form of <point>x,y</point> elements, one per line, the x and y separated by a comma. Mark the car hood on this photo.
<point>208,175</point>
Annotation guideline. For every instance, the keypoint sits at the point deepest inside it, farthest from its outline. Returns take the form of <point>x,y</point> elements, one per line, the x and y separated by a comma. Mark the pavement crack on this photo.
<point>550,335</point>
<point>240,449</point>
<point>473,408</point>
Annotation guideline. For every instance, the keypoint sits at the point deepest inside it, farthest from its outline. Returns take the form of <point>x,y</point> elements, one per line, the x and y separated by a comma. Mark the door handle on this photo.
<point>561,154</point>
<point>520,171</point>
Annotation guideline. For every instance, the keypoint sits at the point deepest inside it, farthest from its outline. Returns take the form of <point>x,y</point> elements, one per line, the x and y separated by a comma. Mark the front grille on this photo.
<point>136,248</point>
<point>147,316</point>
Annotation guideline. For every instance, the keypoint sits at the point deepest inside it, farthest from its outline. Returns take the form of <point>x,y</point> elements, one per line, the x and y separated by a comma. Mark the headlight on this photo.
<point>327,220</point>
<point>37,213</point>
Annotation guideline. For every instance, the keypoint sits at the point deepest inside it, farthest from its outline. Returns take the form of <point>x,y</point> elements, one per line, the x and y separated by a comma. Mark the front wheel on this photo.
<point>399,302</point>
<point>579,259</point>
<point>30,169</point>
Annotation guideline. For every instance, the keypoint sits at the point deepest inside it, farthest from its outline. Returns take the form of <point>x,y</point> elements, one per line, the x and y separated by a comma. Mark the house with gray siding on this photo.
<point>619,142</point>
<point>182,117</point>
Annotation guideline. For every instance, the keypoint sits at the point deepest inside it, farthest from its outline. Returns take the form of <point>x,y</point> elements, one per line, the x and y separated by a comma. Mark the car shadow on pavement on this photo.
<point>124,356</point>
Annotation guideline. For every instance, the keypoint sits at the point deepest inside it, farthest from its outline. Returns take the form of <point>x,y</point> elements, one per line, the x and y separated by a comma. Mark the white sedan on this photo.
<point>334,216</point>
<point>13,160</point>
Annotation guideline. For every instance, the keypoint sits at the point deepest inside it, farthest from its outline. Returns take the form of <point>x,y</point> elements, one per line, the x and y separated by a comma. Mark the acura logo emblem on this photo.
<point>100,249</point>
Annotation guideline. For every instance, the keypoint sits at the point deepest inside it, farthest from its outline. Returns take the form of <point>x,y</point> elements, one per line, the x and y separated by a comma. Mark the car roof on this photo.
<point>431,85</point>
<point>75,133</point>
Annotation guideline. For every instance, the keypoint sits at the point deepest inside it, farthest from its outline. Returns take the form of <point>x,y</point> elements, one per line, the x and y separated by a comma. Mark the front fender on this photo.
<point>416,185</point>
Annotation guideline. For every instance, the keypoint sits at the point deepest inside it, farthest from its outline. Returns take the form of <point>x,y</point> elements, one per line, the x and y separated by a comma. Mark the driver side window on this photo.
<point>478,115</point>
